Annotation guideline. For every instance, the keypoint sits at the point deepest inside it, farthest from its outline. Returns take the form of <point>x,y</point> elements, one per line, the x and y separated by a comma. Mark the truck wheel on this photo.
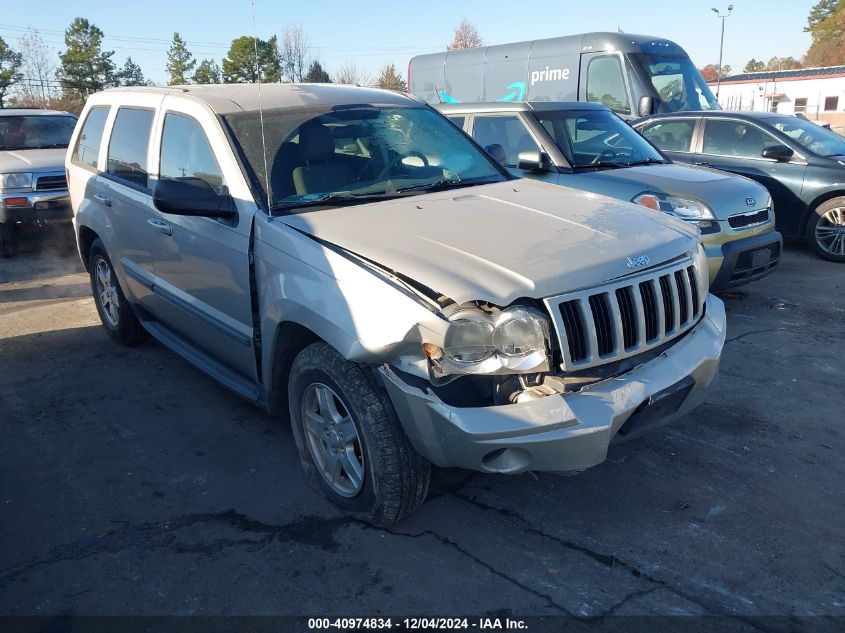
<point>8,240</point>
<point>351,445</point>
<point>114,310</point>
<point>826,230</point>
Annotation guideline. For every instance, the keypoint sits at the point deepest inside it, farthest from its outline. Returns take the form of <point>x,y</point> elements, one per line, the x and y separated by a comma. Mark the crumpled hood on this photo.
<point>502,241</point>
<point>24,160</point>
<point>726,194</point>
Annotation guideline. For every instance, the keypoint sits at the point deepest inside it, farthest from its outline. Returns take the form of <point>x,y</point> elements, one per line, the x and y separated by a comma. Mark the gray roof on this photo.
<point>799,73</point>
<point>32,112</point>
<point>519,106</point>
<point>230,98</point>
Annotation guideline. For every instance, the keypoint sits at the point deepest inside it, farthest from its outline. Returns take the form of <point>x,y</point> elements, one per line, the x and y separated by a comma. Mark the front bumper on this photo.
<point>747,259</point>
<point>40,206</point>
<point>561,432</point>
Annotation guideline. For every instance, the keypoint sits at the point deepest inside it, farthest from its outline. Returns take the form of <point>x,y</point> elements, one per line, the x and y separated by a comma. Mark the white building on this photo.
<point>818,93</point>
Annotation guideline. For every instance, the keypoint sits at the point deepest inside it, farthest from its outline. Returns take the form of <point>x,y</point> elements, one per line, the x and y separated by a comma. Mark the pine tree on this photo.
<point>131,75</point>
<point>10,63</point>
<point>180,62</point>
<point>389,79</point>
<point>85,67</point>
<point>208,72</point>
<point>239,65</point>
<point>316,74</point>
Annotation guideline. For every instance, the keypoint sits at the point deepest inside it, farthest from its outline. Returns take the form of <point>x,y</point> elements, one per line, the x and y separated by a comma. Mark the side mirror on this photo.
<point>533,160</point>
<point>191,196</point>
<point>646,106</point>
<point>780,153</point>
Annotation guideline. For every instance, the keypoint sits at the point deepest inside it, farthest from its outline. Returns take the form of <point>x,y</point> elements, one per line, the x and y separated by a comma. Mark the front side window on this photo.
<point>736,138</point>
<point>186,152</point>
<point>671,136</point>
<point>606,84</point>
<point>88,144</point>
<point>810,136</point>
<point>597,138</point>
<point>503,137</point>
<point>676,81</point>
<point>344,155</point>
<point>35,132</point>
<point>130,139</point>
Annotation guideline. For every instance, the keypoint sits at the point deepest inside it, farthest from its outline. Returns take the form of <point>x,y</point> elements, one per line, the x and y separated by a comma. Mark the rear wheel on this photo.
<point>8,240</point>
<point>115,313</point>
<point>351,445</point>
<point>826,230</point>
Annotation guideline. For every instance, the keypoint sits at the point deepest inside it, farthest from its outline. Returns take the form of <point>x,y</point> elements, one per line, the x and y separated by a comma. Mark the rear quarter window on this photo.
<point>87,147</point>
<point>128,146</point>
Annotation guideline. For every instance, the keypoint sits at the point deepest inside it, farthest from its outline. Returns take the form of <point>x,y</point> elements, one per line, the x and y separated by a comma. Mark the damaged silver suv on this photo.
<point>348,258</point>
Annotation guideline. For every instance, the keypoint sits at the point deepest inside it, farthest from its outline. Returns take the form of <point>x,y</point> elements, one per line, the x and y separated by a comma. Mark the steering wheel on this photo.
<point>601,156</point>
<point>397,160</point>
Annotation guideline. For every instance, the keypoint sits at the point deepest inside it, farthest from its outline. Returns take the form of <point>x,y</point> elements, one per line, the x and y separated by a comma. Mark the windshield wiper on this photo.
<point>446,183</point>
<point>647,161</point>
<point>337,199</point>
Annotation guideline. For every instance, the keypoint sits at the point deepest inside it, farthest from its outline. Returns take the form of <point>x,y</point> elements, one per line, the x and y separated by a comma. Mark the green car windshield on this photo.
<point>596,138</point>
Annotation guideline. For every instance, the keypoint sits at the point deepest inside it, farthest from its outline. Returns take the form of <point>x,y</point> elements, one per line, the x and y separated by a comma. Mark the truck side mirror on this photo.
<point>533,160</point>
<point>779,153</point>
<point>646,106</point>
<point>191,196</point>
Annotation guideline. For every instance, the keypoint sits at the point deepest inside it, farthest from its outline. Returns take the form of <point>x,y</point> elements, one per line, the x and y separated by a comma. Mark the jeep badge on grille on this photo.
<point>639,260</point>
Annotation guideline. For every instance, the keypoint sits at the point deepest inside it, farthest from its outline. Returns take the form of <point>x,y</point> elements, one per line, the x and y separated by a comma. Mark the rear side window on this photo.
<point>503,137</point>
<point>88,144</point>
<point>186,152</point>
<point>735,138</point>
<point>606,84</point>
<point>671,136</point>
<point>128,145</point>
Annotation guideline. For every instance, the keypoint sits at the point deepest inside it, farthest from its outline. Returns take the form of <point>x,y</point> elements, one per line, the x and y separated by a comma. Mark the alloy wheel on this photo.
<point>107,293</point>
<point>830,231</point>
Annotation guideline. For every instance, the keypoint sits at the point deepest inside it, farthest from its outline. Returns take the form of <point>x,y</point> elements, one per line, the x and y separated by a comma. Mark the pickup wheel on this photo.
<point>115,312</point>
<point>826,230</point>
<point>8,240</point>
<point>351,445</point>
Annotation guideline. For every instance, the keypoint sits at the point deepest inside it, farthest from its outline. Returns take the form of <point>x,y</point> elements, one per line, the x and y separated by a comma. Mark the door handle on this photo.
<point>704,164</point>
<point>103,199</point>
<point>160,225</point>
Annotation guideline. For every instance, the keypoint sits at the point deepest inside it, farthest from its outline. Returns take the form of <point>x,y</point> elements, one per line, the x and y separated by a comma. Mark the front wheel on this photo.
<point>114,310</point>
<point>351,445</point>
<point>826,230</point>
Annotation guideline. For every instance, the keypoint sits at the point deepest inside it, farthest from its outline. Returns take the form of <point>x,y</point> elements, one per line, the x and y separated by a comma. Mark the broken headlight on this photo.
<point>514,340</point>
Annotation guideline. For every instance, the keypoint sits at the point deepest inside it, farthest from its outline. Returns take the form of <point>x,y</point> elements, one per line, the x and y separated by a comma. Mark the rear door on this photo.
<point>674,137</point>
<point>202,264</point>
<point>124,191</point>
<point>735,145</point>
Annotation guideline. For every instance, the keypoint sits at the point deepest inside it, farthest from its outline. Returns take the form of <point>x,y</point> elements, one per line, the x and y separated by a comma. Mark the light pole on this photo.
<point>721,46</point>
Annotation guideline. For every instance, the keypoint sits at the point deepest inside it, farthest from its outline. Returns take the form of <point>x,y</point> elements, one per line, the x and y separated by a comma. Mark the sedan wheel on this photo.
<point>830,231</point>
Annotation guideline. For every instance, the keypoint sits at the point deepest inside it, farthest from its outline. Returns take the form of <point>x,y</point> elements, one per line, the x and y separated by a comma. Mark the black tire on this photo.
<point>122,325</point>
<point>395,476</point>
<point>831,216</point>
<point>8,240</point>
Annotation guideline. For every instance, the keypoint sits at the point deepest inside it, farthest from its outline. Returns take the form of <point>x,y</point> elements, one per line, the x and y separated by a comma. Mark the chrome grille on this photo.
<point>607,323</point>
<point>49,183</point>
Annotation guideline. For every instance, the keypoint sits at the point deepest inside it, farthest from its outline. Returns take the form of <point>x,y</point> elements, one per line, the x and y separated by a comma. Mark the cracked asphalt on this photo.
<point>132,484</point>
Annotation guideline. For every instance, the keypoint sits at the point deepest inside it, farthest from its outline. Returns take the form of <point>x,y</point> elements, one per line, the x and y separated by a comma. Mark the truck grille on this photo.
<point>49,183</point>
<point>614,321</point>
<point>745,220</point>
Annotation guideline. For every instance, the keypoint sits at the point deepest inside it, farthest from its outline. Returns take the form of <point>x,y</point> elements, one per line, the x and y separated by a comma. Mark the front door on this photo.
<point>202,264</point>
<point>603,81</point>
<point>504,136</point>
<point>736,146</point>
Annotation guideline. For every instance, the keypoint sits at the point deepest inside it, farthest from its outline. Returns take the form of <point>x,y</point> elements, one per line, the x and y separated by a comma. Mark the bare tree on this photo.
<point>466,36</point>
<point>350,74</point>
<point>38,68</point>
<point>295,53</point>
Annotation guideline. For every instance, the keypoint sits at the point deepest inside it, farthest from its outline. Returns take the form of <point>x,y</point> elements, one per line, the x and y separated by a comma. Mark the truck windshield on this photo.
<point>677,82</point>
<point>35,132</point>
<point>597,138</point>
<point>810,136</point>
<point>343,155</point>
